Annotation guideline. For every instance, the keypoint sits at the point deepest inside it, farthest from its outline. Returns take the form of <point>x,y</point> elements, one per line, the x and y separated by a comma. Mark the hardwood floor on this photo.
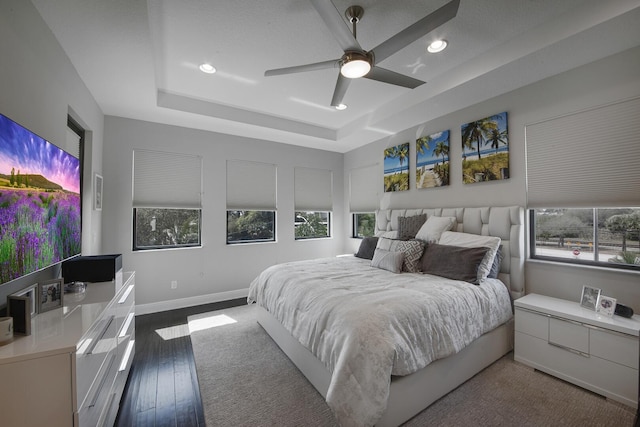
<point>162,389</point>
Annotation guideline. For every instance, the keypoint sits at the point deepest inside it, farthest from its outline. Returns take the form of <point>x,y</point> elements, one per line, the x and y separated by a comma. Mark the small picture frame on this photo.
<point>589,298</point>
<point>50,295</point>
<point>97,189</point>
<point>606,305</point>
<point>32,293</point>
<point>19,307</point>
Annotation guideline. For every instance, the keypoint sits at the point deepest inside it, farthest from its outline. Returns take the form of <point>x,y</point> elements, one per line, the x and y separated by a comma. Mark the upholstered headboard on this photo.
<point>507,223</point>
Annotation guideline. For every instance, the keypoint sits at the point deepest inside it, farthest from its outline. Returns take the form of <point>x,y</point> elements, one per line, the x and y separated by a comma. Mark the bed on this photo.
<point>381,346</point>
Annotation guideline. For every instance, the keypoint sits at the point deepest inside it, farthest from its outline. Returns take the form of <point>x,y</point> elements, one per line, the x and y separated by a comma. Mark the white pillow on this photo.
<point>474,241</point>
<point>434,227</point>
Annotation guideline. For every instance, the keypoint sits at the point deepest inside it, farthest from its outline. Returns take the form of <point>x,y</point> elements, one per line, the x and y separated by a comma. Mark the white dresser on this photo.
<point>571,342</point>
<point>72,369</point>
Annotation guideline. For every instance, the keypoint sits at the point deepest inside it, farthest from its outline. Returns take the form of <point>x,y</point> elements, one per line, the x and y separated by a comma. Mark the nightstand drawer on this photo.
<point>568,334</point>
<point>618,348</point>
<point>531,323</point>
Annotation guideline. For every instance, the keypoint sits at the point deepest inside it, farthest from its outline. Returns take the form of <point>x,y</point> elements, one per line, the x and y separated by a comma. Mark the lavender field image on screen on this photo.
<point>40,220</point>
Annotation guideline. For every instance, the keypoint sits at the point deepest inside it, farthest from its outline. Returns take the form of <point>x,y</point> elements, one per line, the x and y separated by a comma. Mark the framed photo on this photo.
<point>51,293</point>
<point>97,189</point>
<point>32,293</point>
<point>589,297</point>
<point>606,305</point>
<point>19,307</point>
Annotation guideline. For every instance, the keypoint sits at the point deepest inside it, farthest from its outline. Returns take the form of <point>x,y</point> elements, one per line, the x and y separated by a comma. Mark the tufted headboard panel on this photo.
<point>507,223</point>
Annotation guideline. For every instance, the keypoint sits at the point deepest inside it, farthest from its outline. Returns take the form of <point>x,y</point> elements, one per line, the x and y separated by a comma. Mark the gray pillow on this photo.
<point>367,247</point>
<point>453,262</point>
<point>387,260</point>
<point>495,268</point>
<point>408,226</point>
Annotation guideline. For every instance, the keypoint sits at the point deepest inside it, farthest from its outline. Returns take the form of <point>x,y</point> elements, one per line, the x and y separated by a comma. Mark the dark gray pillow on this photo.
<point>408,226</point>
<point>453,262</point>
<point>367,247</point>
<point>495,267</point>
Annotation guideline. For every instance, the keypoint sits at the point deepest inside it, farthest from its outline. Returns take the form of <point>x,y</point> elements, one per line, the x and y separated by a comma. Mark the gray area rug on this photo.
<point>246,380</point>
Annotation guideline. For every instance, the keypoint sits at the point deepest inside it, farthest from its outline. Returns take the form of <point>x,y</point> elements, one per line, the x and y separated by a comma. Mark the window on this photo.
<point>606,237</point>
<point>167,190</point>
<point>313,191</point>
<point>364,224</point>
<point>251,226</point>
<point>312,225</point>
<point>251,202</point>
<point>156,228</point>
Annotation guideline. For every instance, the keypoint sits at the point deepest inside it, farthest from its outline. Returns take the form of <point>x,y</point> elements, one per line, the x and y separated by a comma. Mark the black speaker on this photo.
<point>97,268</point>
<point>623,310</point>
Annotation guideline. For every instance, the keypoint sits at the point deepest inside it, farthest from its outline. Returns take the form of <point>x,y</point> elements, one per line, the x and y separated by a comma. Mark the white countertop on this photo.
<point>574,311</point>
<point>59,330</point>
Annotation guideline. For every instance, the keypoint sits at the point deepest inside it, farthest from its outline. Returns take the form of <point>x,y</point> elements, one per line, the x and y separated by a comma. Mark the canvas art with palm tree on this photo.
<point>432,160</point>
<point>485,149</point>
<point>396,168</point>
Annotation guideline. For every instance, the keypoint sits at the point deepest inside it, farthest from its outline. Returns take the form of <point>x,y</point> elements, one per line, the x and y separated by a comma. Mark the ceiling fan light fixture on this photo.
<point>355,65</point>
<point>437,46</point>
<point>341,107</point>
<point>207,68</point>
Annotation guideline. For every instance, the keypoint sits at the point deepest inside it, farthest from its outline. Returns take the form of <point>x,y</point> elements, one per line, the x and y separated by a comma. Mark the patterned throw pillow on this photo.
<point>412,250</point>
<point>408,226</point>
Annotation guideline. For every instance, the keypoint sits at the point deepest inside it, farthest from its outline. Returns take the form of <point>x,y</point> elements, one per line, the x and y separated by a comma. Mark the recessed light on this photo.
<point>207,68</point>
<point>437,46</point>
<point>341,107</point>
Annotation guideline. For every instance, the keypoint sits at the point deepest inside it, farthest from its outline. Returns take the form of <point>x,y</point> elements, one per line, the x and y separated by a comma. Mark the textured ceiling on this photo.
<point>140,60</point>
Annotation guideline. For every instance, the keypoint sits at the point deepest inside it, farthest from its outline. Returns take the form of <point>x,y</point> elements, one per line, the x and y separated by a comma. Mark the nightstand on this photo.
<point>578,345</point>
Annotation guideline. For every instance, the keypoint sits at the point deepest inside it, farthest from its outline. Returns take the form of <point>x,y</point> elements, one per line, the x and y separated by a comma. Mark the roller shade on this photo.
<point>586,159</point>
<point>363,189</point>
<point>313,189</point>
<point>72,143</point>
<point>166,180</point>
<point>251,185</point>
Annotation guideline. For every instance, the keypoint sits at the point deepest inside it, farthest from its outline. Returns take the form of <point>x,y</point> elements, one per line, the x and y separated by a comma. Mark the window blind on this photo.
<point>166,180</point>
<point>363,189</point>
<point>586,159</point>
<point>72,143</point>
<point>251,185</point>
<point>313,189</point>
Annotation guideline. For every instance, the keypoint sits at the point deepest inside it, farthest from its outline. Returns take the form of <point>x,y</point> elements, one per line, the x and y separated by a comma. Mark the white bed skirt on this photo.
<point>410,394</point>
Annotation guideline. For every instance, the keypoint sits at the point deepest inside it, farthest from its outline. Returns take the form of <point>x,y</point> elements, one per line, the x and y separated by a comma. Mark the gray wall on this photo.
<point>595,84</point>
<point>39,87</point>
<point>216,271</point>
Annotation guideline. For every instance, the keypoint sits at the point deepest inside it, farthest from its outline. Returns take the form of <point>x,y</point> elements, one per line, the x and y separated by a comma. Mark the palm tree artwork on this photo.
<point>396,168</point>
<point>485,149</point>
<point>432,160</point>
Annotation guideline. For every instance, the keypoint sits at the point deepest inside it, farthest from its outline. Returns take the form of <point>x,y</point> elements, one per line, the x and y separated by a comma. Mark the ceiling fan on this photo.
<point>356,62</point>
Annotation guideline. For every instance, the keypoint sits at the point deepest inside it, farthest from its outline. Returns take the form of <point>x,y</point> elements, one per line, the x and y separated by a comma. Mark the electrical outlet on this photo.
<point>174,284</point>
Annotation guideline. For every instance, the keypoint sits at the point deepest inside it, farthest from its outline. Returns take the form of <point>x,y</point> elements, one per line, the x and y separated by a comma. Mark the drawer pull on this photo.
<point>125,295</point>
<point>125,327</point>
<point>126,356</point>
<point>572,350</point>
<point>102,380</point>
<point>105,328</point>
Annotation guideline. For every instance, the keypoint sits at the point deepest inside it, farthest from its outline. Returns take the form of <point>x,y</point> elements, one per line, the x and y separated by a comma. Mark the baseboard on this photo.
<point>156,307</point>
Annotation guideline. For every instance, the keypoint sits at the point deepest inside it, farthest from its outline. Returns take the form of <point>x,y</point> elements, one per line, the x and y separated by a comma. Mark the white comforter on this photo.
<point>366,324</point>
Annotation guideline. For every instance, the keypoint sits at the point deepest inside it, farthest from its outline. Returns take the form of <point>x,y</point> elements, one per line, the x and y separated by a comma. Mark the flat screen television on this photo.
<point>40,206</point>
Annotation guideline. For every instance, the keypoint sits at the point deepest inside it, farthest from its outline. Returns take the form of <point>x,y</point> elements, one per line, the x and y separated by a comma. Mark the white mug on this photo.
<point>6,330</point>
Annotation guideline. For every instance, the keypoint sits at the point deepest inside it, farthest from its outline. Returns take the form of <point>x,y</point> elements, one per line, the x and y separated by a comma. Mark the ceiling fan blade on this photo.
<point>391,77</point>
<point>341,88</point>
<point>333,19</point>
<point>303,68</point>
<point>416,31</point>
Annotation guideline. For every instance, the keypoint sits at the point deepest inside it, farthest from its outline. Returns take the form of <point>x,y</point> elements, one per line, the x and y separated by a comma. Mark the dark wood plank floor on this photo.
<point>162,389</point>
